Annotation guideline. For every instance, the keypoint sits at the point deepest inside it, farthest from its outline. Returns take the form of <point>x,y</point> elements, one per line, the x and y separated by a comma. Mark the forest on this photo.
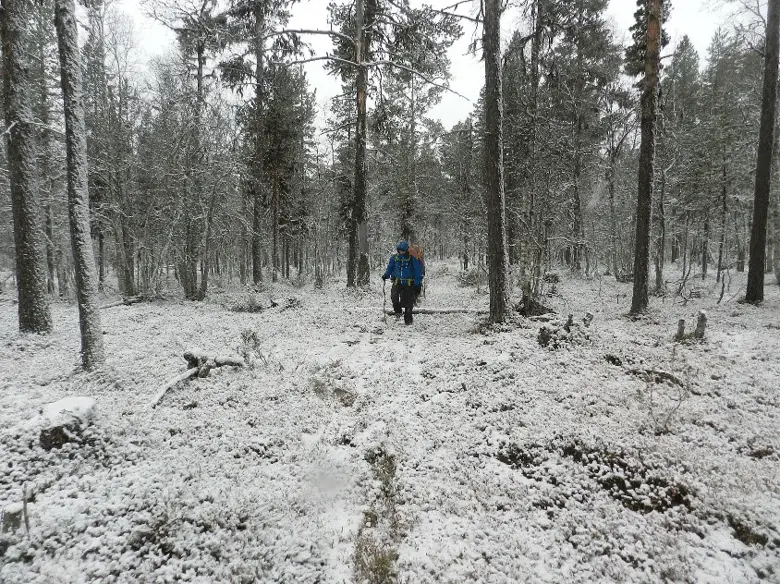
<point>588,388</point>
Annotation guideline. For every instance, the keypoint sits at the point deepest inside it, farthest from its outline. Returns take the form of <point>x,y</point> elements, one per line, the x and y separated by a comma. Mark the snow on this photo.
<point>509,459</point>
<point>69,409</point>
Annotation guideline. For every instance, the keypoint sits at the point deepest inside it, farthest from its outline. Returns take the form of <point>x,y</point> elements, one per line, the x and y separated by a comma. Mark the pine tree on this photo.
<point>92,353</point>
<point>498,259</point>
<point>755,284</point>
<point>15,28</point>
<point>652,11</point>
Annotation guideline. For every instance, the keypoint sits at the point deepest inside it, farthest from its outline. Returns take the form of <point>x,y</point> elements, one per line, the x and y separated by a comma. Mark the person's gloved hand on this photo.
<point>385,276</point>
<point>417,289</point>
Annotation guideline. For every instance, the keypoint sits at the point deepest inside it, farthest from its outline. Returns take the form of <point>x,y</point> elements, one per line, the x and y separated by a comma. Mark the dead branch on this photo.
<point>190,373</point>
<point>124,301</point>
<point>656,375</point>
<point>444,311</point>
<point>199,364</point>
<point>332,33</point>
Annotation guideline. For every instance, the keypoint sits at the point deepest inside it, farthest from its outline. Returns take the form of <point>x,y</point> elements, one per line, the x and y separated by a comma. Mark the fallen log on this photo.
<point>444,311</point>
<point>199,364</point>
<point>123,302</point>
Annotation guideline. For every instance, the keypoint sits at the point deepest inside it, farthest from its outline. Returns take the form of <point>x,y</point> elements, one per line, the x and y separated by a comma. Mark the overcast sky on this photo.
<point>696,18</point>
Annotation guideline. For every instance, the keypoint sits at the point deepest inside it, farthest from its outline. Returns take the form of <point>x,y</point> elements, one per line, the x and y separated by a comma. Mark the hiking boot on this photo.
<point>408,320</point>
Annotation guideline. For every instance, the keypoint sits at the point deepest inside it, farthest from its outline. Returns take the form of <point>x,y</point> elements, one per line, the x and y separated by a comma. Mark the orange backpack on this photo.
<point>417,252</point>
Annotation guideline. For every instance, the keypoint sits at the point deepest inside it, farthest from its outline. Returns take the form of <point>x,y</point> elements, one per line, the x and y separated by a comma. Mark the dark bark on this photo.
<point>34,311</point>
<point>498,259</point>
<point>364,20</point>
<point>257,166</point>
<point>51,265</point>
<point>92,353</point>
<point>649,102</point>
<point>723,214</point>
<point>661,249</point>
<point>755,283</point>
<point>705,246</point>
<point>275,231</point>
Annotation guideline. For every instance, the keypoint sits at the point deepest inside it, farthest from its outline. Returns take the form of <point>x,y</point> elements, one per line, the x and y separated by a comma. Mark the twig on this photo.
<point>24,510</point>
<point>340,35</point>
<point>8,129</point>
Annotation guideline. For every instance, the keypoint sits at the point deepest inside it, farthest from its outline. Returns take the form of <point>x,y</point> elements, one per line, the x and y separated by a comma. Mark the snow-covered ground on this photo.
<point>353,448</point>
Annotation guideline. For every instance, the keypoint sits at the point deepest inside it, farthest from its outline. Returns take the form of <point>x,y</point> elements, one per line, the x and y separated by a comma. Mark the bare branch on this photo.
<point>446,12</point>
<point>418,74</point>
<point>8,129</point>
<point>333,33</point>
<point>324,58</point>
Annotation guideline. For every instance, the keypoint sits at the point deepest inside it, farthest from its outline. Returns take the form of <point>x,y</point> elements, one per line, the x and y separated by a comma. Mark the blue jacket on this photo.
<point>405,269</point>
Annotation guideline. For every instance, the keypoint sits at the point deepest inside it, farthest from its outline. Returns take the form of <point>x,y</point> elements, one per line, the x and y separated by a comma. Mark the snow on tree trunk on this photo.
<point>639,299</point>
<point>257,163</point>
<point>34,310</point>
<point>359,215</point>
<point>498,259</point>
<point>755,283</point>
<point>92,354</point>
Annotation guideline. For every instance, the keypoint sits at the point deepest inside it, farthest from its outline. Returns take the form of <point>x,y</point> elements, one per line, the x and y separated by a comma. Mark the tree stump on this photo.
<point>680,330</point>
<point>12,517</point>
<point>701,325</point>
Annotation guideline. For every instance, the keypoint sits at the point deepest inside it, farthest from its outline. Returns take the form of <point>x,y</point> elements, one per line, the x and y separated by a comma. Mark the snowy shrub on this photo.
<point>249,348</point>
<point>473,277</point>
<point>331,381</point>
<point>376,548</point>
<point>300,280</point>
<point>250,303</point>
<point>557,335</point>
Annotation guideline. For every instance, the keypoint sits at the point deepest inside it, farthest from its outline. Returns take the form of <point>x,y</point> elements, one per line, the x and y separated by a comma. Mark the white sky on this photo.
<point>697,18</point>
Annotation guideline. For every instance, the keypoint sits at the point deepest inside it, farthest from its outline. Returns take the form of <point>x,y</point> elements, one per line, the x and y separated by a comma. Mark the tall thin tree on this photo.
<point>15,28</point>
<point>498,258</point>
<point>649,104</point>
<point>756,268</point>
<point>92,353</point>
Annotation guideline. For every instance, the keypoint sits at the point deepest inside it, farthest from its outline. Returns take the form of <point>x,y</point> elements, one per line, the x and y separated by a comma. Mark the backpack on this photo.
<point>417,253</point>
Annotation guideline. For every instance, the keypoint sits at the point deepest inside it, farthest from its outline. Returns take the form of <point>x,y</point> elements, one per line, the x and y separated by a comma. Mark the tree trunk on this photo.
<point>498,260</point>
<point>755,283</point>
<point>705,246</point>
<point>359,214</point>
<point>275,231</point>
<point>776,246</point>
<point>723,214</point>
<point>92,354</point>
<point>45,152</point>
<point>661,250</point>
<point>50,251</point>
<point>639,299</point>
<point>34,310</point>
<point>257,166</point>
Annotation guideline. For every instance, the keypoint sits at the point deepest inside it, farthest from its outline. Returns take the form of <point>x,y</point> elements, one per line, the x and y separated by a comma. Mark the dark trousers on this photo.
<point>403,298</point>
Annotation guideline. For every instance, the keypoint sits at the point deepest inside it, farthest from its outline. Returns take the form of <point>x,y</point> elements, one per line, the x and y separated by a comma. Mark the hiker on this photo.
<point>406,273</point>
